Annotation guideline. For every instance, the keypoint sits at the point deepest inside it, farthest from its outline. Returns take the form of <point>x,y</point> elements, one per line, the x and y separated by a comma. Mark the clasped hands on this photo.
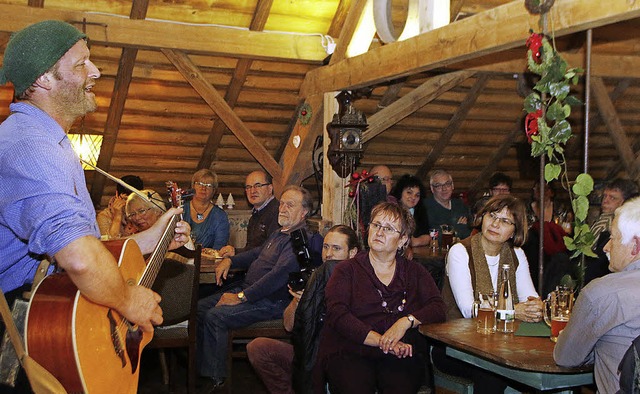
<point>529,310</point>
<point>390,342</point>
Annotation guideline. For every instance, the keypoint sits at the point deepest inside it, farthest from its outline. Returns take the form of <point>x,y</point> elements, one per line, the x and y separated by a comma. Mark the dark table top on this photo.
<point>525,353</point>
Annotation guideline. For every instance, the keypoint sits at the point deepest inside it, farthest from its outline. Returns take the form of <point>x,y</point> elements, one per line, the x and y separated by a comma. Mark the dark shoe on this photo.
<point>206,385</point>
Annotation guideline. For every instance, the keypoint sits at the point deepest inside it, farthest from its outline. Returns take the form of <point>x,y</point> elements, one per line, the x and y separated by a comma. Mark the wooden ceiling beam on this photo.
<point>194,76</point>
<point>339,18</point>
<point>454,124</point>
<point>620,139</point>
<point>508,25</point>
<point>115,31</point>
<point>348,30</point>
<point>411,102</point>
<point>260,16</point>
<point>116,107</point>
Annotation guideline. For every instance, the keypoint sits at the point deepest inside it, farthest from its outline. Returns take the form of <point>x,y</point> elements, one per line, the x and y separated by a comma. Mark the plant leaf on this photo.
<point>551,171</point>
<point>572,101</point>
<point>560,132</point>
<point>580,208</point>
<point>583,185</point>
<point>532,102</point>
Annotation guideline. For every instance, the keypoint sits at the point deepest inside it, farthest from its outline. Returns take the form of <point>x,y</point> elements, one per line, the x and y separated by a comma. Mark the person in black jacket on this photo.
<point>284,367</point>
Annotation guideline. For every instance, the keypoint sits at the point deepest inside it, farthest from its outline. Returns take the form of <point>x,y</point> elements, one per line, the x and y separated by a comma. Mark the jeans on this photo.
<point>214,323</point>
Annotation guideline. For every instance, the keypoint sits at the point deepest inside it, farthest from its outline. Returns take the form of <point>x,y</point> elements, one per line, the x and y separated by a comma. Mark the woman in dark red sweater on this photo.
<point>375,302</point>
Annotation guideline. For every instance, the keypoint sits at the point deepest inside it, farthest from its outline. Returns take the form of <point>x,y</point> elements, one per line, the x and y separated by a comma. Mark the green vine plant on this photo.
<point>548,106</point>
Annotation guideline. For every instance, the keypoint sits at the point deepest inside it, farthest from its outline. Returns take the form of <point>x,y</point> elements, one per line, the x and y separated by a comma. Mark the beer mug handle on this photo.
<point>546,311</point>
<point>475,307</point>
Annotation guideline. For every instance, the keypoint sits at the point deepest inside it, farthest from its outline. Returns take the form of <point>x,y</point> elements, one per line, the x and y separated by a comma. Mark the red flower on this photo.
<point>531,124</point>
<point>534,42</point>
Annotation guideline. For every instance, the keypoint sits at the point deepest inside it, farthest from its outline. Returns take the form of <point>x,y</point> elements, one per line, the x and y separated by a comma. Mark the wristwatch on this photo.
<point>411,319</point>
<point>243,298</point>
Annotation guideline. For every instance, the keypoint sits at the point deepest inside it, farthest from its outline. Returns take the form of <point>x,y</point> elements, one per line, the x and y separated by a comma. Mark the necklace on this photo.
<point>200,216</point>
<point>385,304</point>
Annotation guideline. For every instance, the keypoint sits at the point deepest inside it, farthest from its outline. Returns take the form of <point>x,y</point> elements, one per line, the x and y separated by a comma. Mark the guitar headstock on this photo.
<point>176,194</point>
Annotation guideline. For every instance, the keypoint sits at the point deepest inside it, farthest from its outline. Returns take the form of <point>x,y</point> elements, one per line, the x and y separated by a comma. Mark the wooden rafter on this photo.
<point>454,9</point>
<point>616,131</point>
<point>497,157</point>
<point>453,126</point>
<point>197,80</point>
<point>147,34</point>
<point>240,73</point>
<point>348,29</point>
<point>412,101</point>
<point>116,108</point>
<point>509,26</point>
<point>339,18</point>
<point>390,95</point>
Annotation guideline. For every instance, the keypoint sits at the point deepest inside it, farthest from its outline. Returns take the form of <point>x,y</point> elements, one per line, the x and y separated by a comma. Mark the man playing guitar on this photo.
<point>45,208</point>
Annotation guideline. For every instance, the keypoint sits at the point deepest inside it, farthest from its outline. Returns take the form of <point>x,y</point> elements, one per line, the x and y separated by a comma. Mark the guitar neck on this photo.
<point>157,257</point>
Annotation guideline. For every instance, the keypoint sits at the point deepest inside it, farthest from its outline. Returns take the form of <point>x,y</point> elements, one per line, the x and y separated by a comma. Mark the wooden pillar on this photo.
<point>334,194</point>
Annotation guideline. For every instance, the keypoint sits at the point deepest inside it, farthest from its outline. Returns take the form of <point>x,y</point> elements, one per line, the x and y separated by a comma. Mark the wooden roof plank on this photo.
<point>220,107</point>
<point>112,30</point>
<point>348,29</point>
<point>503,27</point>
<point>453,126</point>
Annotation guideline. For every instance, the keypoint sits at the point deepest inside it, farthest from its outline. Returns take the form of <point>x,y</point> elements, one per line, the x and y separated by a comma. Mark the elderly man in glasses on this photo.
<point>264,216</point>
<point>442,209</point>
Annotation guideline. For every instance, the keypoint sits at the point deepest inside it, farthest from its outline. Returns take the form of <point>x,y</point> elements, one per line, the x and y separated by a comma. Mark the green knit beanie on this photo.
<point>35,49</point>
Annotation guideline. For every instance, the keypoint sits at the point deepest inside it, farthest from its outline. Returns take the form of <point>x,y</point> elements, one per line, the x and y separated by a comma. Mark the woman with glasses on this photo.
<point>503,223</point>
<point>375,302</point>
<point>209,224</point>
<point>410,193</point>
<point>141,213</point>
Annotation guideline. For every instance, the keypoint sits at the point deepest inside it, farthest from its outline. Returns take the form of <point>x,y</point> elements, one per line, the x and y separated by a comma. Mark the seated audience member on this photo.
<point>384,175</point>
<point>442,209</point>
<point>503,222</point>
<point>375,302</point>
<point>499,183</point>
<point>143,214</point>
<point>264,216</point>
<point>410,193</point>
<point>606,316</point>
<point>262,295</point>
<point>112,220</point>
<point>272,359</point>
<point>556,258</point>
<point>615,193</point>
<point>209,224</point>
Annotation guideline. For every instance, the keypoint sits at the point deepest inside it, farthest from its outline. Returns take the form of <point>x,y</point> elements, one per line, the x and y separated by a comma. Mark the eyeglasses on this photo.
<point>140,212</point>
<point>386,230</point>
<point>207,185</point>
<point>256,186</point>
<point>501,221</point>
<point>501,189</point>
<point>440,186</point>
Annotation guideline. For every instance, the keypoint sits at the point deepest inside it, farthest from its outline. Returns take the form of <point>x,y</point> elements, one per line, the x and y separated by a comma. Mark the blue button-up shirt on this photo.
<point>44,202</point>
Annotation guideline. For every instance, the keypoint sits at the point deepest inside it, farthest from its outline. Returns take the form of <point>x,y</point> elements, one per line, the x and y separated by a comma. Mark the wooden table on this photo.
<point>528,360</point>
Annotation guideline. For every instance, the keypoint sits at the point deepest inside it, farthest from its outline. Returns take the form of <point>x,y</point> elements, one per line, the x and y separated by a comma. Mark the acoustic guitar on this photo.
<point>91,348</point>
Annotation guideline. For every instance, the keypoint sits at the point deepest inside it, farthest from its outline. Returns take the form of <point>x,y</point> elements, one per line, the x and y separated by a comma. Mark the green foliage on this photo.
<point>552,95</point>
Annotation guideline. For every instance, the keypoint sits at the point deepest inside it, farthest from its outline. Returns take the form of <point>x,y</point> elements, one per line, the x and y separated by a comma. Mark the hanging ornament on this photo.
<point>304,115</point>
<point>296,141</point>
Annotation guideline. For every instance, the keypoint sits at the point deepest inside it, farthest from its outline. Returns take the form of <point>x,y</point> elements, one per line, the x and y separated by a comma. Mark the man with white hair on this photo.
<point>606,316</point>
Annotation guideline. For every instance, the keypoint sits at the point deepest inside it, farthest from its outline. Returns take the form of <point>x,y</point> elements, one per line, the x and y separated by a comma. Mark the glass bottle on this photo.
<point>505,311</point>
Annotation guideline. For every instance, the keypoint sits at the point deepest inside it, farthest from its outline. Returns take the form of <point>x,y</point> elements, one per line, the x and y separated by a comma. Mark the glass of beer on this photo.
<point>446,236</point>
<point>484,311</point>
<point>557,310</point>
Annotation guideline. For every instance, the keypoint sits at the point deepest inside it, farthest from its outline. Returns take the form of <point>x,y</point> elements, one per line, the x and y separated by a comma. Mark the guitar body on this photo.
<point>89,348</point>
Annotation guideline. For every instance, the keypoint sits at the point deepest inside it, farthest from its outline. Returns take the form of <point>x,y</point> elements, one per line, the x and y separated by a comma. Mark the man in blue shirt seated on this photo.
<point>263,293</point>
<point>606,316</point>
